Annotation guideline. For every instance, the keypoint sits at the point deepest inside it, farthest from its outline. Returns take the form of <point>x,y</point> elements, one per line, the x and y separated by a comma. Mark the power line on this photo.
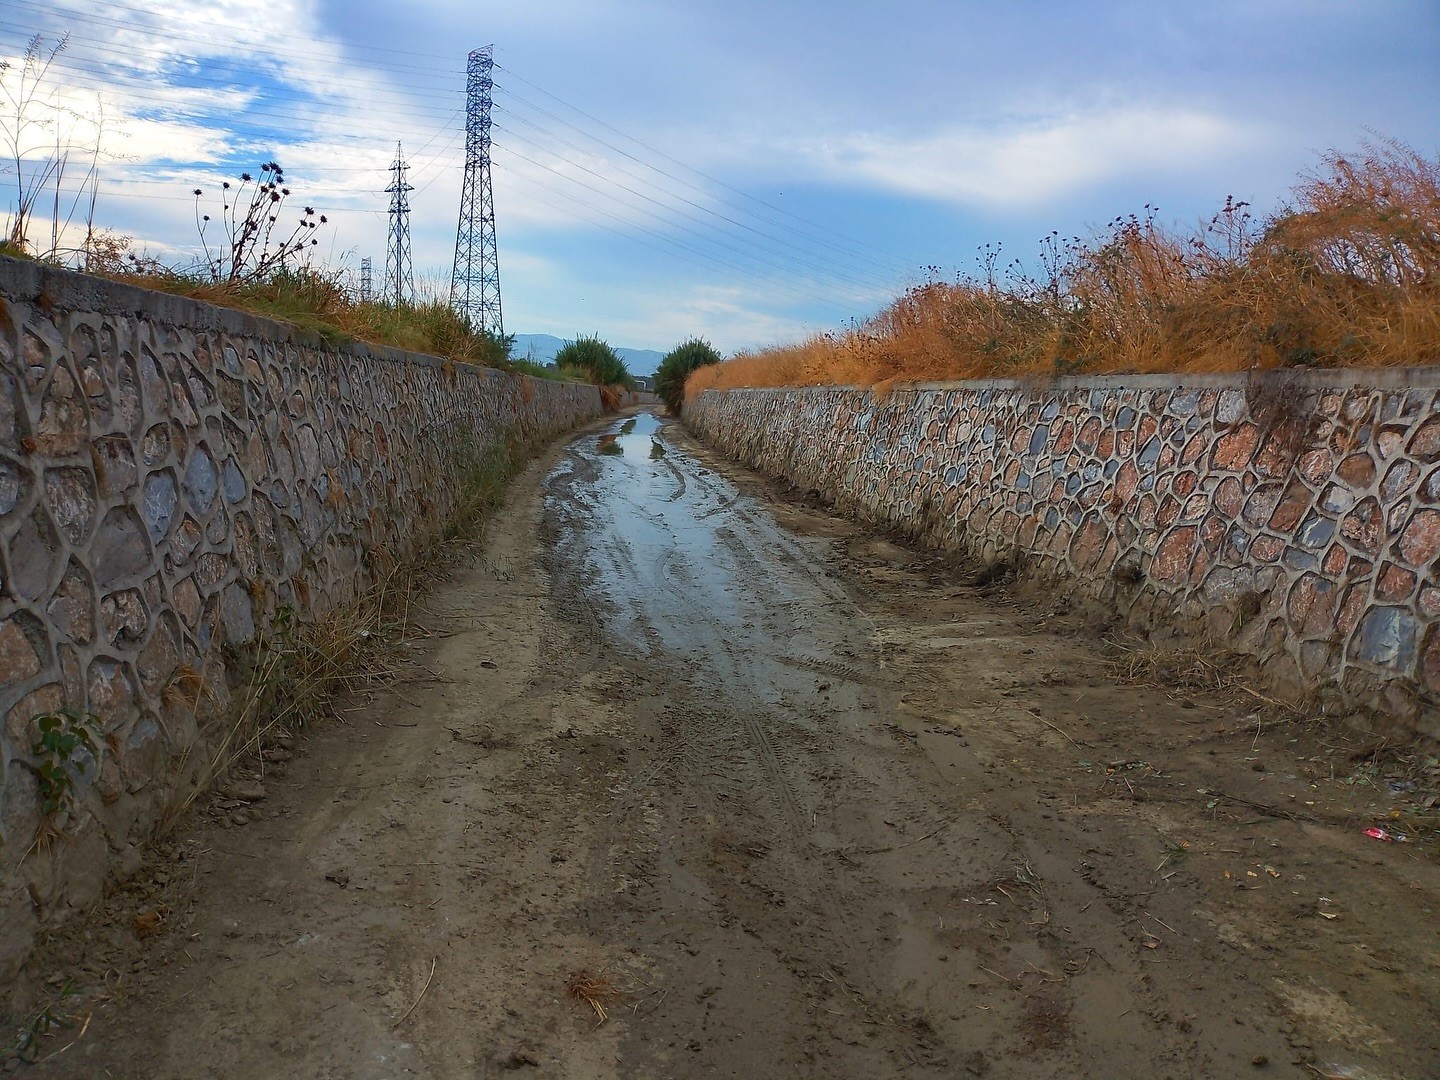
<point>688,168</point>
<point>683,252</point>
<point>744,252</point>
<point>852,253</point>
<point>831,271</point>
<point>669,175</point>
<point>834,274</point>
<point>777,248</point>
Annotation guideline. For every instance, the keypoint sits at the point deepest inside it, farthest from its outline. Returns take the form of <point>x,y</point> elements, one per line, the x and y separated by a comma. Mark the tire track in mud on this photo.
<point>726,649</point>
<point>736,740</point>
<point>769,758</point>
<point>680,486</point>
<point>839,670</point>
<point>779,783</point>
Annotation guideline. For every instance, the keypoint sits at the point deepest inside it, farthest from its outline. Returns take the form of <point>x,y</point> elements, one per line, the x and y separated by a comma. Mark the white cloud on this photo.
<point>1032,161</point>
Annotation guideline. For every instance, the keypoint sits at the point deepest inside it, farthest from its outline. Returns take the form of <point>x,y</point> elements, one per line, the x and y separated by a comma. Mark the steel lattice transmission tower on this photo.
<point>475,283</point>
<point>399,276</point>
<point>367,289</point>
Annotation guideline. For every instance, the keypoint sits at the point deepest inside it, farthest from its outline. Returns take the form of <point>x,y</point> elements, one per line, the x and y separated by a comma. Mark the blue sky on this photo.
<point>747,171</point>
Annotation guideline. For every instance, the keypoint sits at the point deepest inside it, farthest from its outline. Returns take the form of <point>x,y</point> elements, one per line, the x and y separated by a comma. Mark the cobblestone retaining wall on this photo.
<point>172,475</point>
<point>1295,515</point>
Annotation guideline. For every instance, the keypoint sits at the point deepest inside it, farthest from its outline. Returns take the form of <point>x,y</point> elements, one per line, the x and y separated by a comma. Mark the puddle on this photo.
<point>633,439</point>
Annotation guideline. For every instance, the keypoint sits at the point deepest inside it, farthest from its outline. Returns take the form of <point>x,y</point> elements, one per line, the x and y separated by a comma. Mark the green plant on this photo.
<point>291,674</point>
<point>599,360</point>
<point>46,1020</point>
<point>65,748</point>
<point>539,370</point>
<point>676,367</point>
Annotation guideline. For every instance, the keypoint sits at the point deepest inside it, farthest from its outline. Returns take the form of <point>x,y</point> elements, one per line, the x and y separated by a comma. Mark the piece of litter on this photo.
<point>1379,834</point>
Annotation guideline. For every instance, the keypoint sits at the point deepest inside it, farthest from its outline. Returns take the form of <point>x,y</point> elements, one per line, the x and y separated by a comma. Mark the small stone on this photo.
<point>158,503</point>
<point>1234,450</point>
<point>18,658</point>
<point>244,791</point>
<point>1420,542</point>
<point>121,550</point>
<point>517,1059</point>
<point>201,479</point>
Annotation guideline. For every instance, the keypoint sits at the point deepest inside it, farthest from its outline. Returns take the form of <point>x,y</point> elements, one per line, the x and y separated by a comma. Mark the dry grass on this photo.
<point>1206,668</point>
<point>1174,667</point>
<point>1347,274</point>
<point>318,301</point>
<point>293,675</point>
<point>595,990</point>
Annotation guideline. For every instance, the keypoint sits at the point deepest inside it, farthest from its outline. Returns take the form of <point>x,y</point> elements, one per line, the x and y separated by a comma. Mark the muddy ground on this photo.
<point>780,797</point>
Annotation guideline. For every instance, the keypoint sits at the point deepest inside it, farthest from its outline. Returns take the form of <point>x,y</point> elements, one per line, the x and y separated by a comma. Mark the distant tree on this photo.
<point>597,360</point>
<point>679,362</point>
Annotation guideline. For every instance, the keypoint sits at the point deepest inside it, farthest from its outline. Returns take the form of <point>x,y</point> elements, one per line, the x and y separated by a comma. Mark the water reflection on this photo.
<point>633,439</point>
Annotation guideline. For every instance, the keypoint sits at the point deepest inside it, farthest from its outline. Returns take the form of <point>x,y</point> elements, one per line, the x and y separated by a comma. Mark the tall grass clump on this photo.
<point>1347,273</point>
<point>597,362</point>
<point>676,367</point>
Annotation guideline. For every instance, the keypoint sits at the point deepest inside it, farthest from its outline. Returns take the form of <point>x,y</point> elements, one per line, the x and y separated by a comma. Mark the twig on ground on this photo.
<point>419,999</point>
<point>909,843</point>
<point>1166,925</point>
<point>1056,727</point>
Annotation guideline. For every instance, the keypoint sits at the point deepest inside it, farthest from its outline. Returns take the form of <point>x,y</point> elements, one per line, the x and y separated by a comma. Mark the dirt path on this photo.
<point>809,803</point>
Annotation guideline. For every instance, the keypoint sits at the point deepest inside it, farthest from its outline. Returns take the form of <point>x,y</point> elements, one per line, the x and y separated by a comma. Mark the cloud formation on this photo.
<point>1033,161</point>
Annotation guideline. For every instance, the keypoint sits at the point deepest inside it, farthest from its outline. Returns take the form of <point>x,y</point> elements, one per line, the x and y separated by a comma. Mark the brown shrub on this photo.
<point>1347,275</point>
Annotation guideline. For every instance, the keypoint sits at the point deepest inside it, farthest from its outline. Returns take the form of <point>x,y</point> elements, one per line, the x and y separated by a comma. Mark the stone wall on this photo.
<point>172,476</point>
<point>1294,515</point>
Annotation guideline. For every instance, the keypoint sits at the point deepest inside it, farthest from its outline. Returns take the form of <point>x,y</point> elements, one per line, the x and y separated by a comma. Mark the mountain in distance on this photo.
<point>542,349</point>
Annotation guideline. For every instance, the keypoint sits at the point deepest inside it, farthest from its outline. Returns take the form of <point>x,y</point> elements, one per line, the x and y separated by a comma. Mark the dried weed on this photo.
<point>595,989</point>
<point>1345,276</point>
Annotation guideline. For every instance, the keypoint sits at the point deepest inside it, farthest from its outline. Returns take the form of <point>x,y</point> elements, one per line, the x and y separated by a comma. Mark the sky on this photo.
<point>748,171</point>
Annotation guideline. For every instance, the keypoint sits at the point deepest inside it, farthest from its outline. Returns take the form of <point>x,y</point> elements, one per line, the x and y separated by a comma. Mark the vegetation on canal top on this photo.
<point>1347,274</point>
<point>595,360</point>
<point>676,367</point>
